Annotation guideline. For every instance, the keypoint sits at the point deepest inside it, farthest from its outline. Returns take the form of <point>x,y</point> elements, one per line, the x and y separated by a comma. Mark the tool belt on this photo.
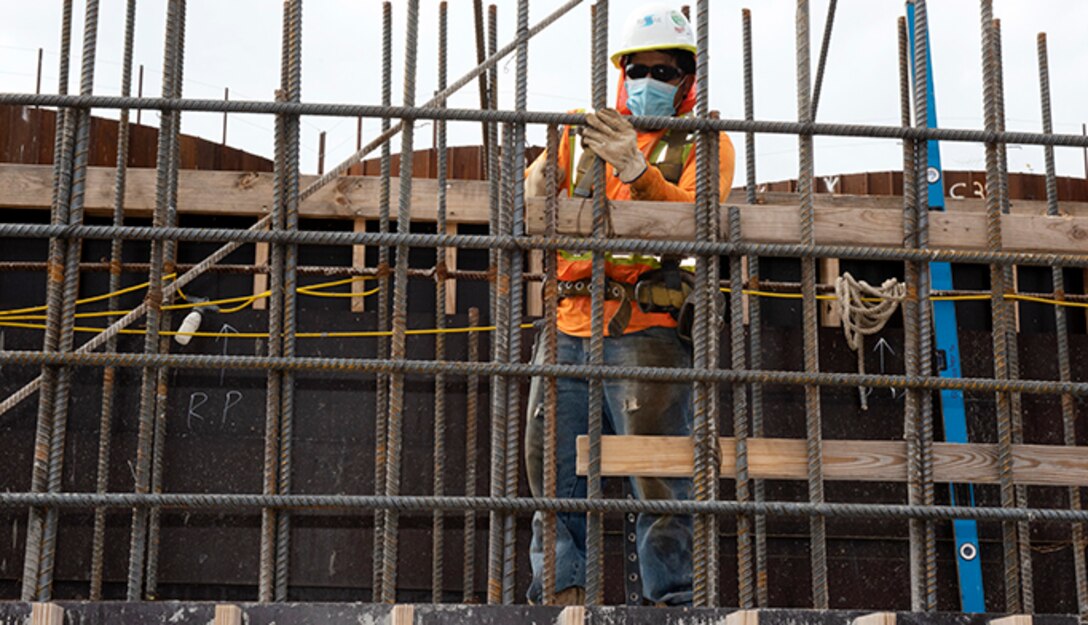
<point>664,290</point>
<point>613,290</point>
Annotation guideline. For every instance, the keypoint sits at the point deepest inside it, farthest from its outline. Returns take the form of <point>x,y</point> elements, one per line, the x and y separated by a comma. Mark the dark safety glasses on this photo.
<point>664,73</point>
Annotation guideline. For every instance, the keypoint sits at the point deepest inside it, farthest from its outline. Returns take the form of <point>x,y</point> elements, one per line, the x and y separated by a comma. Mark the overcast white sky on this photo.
<point>236,44</point>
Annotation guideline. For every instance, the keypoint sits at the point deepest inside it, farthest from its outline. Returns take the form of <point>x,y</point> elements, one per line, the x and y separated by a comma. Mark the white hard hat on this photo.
<point>655,26</point>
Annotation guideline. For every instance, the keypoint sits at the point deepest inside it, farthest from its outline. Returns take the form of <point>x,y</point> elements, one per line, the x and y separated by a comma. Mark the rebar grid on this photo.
<point>507,245</point>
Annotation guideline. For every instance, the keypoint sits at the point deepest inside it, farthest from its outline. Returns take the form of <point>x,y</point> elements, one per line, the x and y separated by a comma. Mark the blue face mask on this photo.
<point>646,96</point>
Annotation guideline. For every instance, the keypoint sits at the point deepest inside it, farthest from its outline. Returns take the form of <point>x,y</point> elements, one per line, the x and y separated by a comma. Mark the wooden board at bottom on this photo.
<point>865,461</point>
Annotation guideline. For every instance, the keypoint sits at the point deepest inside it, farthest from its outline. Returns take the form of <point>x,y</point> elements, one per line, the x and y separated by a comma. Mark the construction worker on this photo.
<point>644,300</point>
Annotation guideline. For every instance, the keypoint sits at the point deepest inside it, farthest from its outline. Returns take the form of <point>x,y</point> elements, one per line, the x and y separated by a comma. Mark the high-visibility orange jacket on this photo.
<point>574,312</point>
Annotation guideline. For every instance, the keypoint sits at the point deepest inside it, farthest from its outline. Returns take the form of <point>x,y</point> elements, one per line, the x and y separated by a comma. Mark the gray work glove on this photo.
<point>614,139</point>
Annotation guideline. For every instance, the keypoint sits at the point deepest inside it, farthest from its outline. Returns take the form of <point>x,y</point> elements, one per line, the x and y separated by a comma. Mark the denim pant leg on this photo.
<point>572,408</point>
<point>656,408</point>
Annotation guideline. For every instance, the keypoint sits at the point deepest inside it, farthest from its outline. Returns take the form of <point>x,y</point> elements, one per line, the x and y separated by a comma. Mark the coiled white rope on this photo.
<point>865,309</point>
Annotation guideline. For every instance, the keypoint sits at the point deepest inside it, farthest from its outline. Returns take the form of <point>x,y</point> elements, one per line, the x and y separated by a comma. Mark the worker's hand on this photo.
<point>614,139</point>
<point>536,181</point>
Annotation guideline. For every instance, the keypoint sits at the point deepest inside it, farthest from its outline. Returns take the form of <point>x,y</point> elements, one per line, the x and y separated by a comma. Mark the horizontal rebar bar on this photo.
<point>540,117</point>
<point>481,241</point>
<point>428,368</point>
<point>428,504</point>
<point>328,271</point>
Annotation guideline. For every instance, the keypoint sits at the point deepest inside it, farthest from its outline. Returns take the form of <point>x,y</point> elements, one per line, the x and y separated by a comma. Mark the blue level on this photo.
<point>948,363</point>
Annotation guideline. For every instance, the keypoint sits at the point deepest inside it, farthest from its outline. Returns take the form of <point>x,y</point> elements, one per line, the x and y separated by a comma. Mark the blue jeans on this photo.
<point>630,407</point>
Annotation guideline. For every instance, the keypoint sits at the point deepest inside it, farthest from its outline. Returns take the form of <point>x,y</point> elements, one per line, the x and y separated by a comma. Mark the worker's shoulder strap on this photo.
<point>677,146</point>
<point>669,155</point>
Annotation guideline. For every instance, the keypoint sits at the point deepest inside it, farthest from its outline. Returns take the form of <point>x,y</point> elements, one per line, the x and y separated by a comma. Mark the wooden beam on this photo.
<point>451,265</point>
<point>876,618</point>
<point>260,280</point>
<point>1013,619</point>
<point>358,261</point>
<point>834,226</point>
<point>46,614</point>
<point>243,194</point>
<point>226,614</point>
<point>572,615</point>
<point>402,615</point>
<point>355,197</point>
<point>742,617</point>
<point>535,290</point>
<point>250,194</point>
<point>895,202</point>
<point>863,461</point>
<point>744,297</point>
<point>829,310</point>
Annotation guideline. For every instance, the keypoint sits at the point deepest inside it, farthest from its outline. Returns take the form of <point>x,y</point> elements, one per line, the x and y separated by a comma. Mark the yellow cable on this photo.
<point>262,335</point>
<point>17,318</point>
<point>80,302</point>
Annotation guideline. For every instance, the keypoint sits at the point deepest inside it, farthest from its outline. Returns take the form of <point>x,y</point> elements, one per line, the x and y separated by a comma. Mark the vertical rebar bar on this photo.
<point>999,313</point>
<point>594,521</point>
<point>705,417</point>
<point>911,401</point>
<point>551,337</point>
<point>140,92</point>
<point>517,287</point>
<point>497,296</point>
<point>810,322</point>
<point>437,521</point>
<point>400,311</point>
<point>1061,328</point>
<point>381,417</point>
<point>51,341</point>
<point>38,73</point>
<point>472,414</point>
<point>70,292</point>
<point>746,585</point>
<point>273,386</point>
<point>714,324</point>
<point>109,374</point>
<point>148,391</point>
<point>923,431</point>
<point>158,447</point>
<point>291,191</point>
<point>500,418</point>
<point>65,133</point>
<point>1023,533</point>
<point>825,46</point>
<point>226,98</point>
<point>754,314</point>
<point>478,21</point>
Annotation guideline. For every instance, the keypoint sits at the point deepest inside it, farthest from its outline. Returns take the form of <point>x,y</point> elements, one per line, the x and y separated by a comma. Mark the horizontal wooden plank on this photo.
<point>895,202</point>
<point>835,225</point>
<point>864,461</point>
<point>356,197</point>
<point>244,194</point>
